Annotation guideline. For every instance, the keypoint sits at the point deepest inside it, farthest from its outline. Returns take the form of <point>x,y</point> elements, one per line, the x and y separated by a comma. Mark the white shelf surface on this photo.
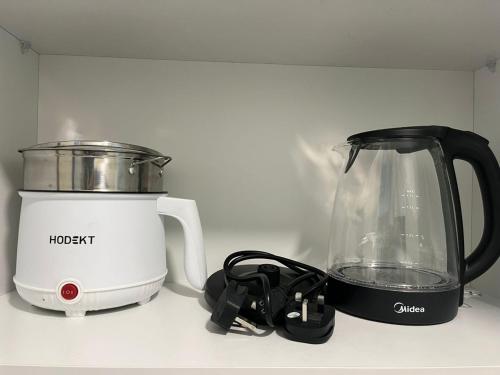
<point>173,331</point>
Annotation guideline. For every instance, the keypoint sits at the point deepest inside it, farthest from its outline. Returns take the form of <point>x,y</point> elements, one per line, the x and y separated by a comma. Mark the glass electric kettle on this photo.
<point>397,247</point>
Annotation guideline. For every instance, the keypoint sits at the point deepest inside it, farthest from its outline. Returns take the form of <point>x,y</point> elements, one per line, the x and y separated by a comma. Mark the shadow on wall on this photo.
<point>173,275</point>
<point>312,180</point>
<point>11,181</point>
<point>318,168</point>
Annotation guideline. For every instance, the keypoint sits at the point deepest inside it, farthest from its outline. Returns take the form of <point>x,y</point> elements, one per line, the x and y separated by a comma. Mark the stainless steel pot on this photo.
<point>99,166</point>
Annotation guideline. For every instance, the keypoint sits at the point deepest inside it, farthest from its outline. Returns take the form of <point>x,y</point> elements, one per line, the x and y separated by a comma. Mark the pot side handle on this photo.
<point>186,212</point>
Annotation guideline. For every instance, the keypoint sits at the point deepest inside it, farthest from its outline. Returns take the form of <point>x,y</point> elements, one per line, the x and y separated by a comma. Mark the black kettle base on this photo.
<point>396,307</point>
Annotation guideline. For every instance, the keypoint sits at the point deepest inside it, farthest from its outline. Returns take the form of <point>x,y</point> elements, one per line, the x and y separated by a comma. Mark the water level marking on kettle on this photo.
<point>411,200</point>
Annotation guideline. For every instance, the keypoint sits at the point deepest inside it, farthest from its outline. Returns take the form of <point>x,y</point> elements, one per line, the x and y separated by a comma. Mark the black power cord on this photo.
<point>277,301</point>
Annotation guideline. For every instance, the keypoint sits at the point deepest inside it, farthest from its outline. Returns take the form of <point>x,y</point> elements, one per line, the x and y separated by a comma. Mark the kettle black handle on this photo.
<point>474,149</point>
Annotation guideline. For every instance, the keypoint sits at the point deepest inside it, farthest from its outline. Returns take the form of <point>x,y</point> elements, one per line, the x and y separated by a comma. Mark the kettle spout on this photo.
<point>348,151</point>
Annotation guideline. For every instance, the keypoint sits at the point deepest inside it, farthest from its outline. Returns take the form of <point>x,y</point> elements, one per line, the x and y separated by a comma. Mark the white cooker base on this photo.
<point>91,300</point>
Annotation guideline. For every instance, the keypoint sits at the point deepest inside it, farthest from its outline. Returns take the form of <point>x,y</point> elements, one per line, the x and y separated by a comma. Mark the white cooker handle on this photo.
<point>186,212</point>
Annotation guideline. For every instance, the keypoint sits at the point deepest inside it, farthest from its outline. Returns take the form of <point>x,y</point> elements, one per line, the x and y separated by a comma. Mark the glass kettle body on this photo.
<point>396,248</point>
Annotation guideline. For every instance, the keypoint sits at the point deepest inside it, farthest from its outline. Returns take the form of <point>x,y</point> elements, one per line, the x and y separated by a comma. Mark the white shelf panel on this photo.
<point>173,332</point>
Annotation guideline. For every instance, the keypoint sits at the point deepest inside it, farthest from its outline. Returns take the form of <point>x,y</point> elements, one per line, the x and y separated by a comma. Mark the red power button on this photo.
<point>69,291</point>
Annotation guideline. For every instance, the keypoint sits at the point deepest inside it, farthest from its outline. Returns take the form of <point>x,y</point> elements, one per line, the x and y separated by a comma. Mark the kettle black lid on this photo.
<point>433,131</point>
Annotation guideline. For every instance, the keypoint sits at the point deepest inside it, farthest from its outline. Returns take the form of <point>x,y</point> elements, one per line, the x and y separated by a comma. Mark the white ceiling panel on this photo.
<point>425,34</point>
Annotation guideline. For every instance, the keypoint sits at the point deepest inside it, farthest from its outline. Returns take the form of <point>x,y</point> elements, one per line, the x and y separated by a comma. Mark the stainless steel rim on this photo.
<point>103,146</point>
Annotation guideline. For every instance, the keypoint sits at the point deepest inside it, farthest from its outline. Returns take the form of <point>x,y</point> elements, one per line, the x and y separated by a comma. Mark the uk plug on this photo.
<point>309,321</point>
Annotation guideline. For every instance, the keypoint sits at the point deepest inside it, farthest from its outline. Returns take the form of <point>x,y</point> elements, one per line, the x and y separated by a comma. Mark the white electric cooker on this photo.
<point>91,233</point>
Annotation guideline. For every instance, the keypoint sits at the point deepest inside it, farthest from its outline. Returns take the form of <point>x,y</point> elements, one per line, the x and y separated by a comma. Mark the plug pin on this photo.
<point>304,310</point>
<point>298,297</point>
<point>247,325</point>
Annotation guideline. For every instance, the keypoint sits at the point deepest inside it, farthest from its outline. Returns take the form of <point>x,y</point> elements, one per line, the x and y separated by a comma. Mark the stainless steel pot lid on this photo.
<point>105,146</point>
<point>93,166</point>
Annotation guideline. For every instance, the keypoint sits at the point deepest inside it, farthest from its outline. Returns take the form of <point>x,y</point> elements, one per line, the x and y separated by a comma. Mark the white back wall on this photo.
<point>486,123</point>
<point>251,143</point>
<point>18,124</point>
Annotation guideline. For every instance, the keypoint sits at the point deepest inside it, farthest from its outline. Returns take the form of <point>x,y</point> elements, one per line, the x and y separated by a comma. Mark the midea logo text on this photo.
<point>71,240</point>
<point>400,307</point>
